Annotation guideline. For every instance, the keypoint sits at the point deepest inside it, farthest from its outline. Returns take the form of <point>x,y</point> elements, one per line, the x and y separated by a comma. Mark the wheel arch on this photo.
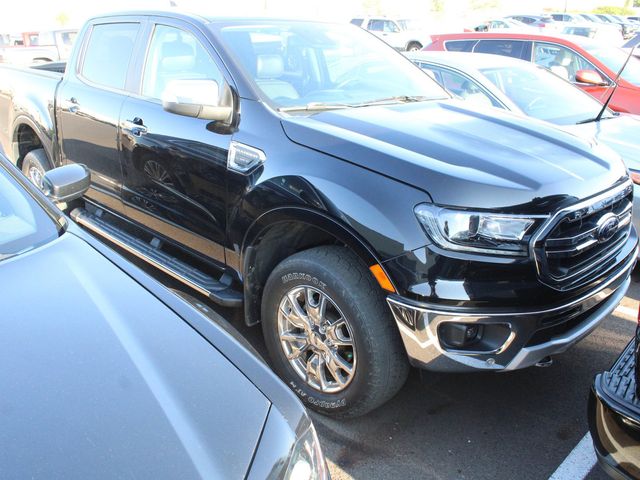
<point>282,232</point>
<point>27,137</point>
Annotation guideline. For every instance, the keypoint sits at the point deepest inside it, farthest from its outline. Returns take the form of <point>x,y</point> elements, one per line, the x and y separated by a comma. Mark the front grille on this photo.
<point>582,243</point>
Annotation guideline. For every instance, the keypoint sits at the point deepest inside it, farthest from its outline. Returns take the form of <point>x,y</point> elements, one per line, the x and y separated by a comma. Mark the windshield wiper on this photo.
<point>315,107</point>
<point>319,106</point>
<point>393,100</point>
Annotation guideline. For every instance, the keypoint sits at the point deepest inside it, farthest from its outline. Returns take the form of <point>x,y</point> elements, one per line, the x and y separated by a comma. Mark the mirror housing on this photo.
<point>590,77</point>
<point>198,99</point>
<point>66,183</point>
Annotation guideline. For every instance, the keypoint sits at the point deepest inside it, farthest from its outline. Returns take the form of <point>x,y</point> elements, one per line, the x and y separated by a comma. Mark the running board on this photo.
<point>216,290</point>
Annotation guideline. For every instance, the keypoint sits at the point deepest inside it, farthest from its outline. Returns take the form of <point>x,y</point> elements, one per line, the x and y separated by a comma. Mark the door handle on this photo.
<point>135,127</point>
<point>73,105</point>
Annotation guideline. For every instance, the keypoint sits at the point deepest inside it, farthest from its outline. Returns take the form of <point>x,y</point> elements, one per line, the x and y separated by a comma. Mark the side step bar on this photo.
<point>216,290</point>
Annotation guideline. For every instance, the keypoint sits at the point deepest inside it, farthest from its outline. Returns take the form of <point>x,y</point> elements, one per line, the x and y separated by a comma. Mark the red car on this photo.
<point>589,65</point>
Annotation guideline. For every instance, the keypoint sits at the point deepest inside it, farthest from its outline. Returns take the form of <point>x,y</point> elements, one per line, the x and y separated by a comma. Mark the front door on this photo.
<point>174,166</point>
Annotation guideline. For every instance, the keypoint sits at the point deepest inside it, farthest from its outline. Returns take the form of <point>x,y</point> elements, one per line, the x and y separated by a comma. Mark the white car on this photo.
<point>401,34</point>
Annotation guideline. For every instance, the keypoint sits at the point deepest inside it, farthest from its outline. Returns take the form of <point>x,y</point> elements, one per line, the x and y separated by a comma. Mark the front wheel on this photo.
<point>330,334</point>
<point>414,47</point>
<point>35,165</point>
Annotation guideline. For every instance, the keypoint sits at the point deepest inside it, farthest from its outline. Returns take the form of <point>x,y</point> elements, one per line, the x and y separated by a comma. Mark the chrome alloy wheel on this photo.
<point>316,338</point>
<point>36,177</point>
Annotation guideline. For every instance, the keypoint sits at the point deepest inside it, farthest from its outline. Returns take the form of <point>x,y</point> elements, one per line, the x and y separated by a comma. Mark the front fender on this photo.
<point>359,207</point>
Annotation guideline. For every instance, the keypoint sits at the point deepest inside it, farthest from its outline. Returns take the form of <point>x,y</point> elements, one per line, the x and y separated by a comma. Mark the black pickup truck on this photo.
<point>314,176</point>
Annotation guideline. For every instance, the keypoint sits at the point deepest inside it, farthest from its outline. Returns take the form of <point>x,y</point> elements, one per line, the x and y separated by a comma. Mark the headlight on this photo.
<point>480,232</point>
<point>306,461</point>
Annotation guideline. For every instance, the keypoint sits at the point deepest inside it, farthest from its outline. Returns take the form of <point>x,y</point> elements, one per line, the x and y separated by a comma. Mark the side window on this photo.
<point>560,60</point>
<point>176,55</point>
<point>390,27</point>
<point>462,87</point>
<point>460,45</point>
<point>506,48</point>
<point>376,25</point>
<point>357,21</point>
<point>106,58</point>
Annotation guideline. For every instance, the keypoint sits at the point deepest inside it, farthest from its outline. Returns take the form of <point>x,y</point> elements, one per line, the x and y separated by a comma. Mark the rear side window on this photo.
<point>506,48</point>
<point>357,21</point>
<point>460,45</point>
<point>107,56</point>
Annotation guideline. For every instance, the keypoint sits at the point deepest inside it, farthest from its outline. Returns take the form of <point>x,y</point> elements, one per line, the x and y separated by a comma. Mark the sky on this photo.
<point>30,15</point>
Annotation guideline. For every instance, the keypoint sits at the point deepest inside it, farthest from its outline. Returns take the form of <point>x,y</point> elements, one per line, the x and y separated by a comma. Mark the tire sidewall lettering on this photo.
<point>303,277</point>
<point>317,402</point>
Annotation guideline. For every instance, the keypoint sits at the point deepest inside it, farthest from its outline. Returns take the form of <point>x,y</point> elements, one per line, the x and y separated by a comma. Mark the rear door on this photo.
<point>89,103</point>
<point>174,166</point>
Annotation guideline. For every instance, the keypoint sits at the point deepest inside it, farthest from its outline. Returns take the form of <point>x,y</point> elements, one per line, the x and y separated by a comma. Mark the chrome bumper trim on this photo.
<point>418,326</point>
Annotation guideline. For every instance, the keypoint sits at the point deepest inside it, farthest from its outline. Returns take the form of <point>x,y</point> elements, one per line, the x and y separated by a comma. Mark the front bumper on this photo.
<point>515,338</point>
<point>614,418</point>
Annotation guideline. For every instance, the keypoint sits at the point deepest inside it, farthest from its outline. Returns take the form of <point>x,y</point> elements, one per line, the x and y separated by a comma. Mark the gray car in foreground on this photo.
<point>107,374</point>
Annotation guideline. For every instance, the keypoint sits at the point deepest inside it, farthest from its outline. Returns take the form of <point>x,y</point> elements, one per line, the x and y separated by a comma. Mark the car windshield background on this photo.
<point>614,58</point>
<point>24,225</point>
<point>542,95</point>
<point>295,65</point>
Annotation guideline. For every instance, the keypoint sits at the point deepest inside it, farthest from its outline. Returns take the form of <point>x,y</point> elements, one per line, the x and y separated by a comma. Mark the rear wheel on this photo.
<point>330,334</point>
<point>35,165</point>
<point>414,47</point>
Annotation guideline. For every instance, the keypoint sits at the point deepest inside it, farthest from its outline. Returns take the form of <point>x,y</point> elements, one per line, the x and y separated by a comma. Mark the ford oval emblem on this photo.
<point>607,227</point>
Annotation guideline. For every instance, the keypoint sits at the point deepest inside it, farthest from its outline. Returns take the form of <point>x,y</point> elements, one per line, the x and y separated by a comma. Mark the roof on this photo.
<point>575,39</point>
<point>197,18</point>
<point>467,60</point>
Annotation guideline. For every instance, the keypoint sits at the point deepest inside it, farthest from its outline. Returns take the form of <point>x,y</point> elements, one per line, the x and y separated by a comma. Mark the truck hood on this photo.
<point>621,133</point>
<point>463,157</point>
<point>98,375</point>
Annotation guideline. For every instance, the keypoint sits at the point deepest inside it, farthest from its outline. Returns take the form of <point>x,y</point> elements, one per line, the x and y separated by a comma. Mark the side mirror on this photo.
<point>66,183</point>
<point>590,77</point>
<point>196,98</point>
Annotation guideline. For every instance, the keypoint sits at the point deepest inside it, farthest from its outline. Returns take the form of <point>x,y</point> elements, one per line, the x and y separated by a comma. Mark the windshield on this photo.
<point>309,66</point>
<point>23,223</point>
<point>541,94</point>
<point>614,58</point>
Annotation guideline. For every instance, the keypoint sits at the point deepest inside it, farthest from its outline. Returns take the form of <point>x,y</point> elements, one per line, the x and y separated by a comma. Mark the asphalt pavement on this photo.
<point>518,425</point>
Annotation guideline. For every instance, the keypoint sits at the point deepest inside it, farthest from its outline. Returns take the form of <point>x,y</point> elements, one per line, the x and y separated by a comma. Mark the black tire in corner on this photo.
<point>381,361</point>
<point>414,47</point>
<point>35,165</point>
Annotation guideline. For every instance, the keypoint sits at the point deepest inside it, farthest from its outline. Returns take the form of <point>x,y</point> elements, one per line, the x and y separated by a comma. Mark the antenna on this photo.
<point>615,86</point>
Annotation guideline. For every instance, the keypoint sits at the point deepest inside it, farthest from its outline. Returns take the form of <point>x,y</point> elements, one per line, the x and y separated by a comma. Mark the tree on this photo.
<point>62,19</point>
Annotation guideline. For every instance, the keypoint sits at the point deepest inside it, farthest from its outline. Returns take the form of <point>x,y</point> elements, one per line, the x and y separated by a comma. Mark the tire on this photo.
<point>414,47</point>
<point>377,358</point>
<point>35,165</point>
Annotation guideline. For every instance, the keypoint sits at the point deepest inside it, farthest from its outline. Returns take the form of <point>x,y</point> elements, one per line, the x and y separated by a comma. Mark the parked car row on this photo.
<point>39,47</point>
<point>589,65</point>
<point>312,176</point>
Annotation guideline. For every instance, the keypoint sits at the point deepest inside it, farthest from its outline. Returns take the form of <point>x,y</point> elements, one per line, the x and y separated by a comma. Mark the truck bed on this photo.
<point>28,92</point>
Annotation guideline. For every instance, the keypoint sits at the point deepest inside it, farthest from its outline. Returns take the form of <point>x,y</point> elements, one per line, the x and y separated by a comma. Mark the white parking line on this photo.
<point>579,462</point>
<point>630,313</point>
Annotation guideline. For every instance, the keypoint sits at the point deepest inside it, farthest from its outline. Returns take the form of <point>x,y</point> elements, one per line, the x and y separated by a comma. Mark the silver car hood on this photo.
<point>101,379</point>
